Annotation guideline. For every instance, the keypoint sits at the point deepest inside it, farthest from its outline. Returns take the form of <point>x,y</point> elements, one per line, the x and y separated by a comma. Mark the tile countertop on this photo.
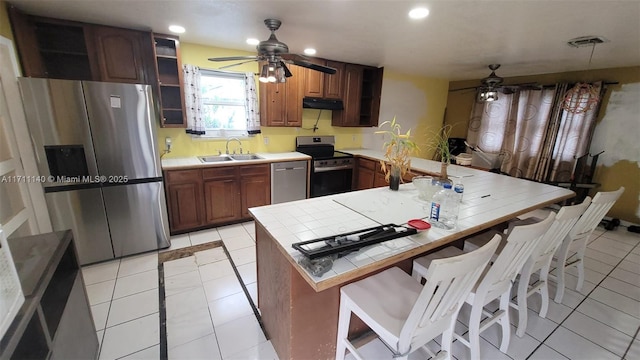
<point>489,199</point>
<point>424,165</point>
<point>194,162</point>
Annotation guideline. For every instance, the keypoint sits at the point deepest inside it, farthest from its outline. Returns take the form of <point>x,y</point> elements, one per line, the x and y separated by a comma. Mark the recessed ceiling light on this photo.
<point>310,51</point>
<point>252,41</point>
<point>176,29</point>
<point>419,13</point>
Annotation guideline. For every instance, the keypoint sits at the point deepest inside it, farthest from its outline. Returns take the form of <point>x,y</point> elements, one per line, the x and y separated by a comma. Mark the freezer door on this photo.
<point>58,125</point>
<point>137,217</point>
<point>123,126</point>
<point>83,213</point>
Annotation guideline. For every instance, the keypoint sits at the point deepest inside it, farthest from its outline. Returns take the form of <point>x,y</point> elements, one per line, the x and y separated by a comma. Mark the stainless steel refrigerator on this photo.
<point>97,155</point>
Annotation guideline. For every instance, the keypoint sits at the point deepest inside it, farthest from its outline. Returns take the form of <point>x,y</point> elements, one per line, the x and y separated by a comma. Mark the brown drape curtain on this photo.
<point>536,137</point>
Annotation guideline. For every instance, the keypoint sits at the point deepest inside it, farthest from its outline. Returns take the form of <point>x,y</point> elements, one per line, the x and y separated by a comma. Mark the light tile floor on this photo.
<point>208,315</point>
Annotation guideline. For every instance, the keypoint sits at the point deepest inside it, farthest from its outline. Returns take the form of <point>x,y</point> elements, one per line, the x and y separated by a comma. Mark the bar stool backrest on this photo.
<point>600,206</point>
<point>566,219</point>
<point>449,281</point>
<point>521,242</point>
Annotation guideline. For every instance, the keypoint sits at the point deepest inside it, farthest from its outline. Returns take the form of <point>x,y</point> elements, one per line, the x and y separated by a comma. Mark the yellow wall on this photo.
<point>625,172</point>
<point>5,26</point>
<point>280,139</point>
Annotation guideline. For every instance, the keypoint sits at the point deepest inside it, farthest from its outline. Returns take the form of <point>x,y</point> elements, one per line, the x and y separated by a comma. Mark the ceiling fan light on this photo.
<point>253,41</point>
<point>310,51</point>
<point>491,95</point>
<point>280,77</point>
<point>264,74</point>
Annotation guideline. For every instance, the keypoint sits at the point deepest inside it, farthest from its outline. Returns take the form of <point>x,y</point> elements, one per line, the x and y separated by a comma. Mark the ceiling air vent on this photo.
<point>586,41</point>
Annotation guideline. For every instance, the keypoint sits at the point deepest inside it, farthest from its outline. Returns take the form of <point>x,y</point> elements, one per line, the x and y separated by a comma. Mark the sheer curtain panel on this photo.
<point>193,102</point>
<point>251,104</point>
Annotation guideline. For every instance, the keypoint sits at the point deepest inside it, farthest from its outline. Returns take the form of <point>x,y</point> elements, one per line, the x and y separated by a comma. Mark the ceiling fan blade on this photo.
<point>291,57</point>
<point>287,73</point>
<point>316,67</point>
<point>234,58</point>
<point>467,88</point>
<point>236,64</point>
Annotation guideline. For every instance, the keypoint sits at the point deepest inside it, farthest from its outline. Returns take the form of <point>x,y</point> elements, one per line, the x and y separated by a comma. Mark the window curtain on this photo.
<point>538,139</point>
<point>574,133</point>
<point>193,102</point>
<point>251,104</point>
<point>514,126</point>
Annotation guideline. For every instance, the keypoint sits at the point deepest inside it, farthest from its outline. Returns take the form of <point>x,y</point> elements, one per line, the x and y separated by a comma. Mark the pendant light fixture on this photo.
<point>583,96</point>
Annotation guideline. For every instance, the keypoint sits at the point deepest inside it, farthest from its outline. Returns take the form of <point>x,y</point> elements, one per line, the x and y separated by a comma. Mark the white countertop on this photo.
<point>489,199</point>
<point>194,161</point>
<point>420,164</point>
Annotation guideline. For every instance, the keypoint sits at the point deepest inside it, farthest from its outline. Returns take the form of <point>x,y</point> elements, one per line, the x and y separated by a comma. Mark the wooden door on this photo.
<point>350,116</point>
<point>272,104</point>
<point>222,200</point>
<point>314,80</point>
<point>255,187</point>
<point>334,84</point>
<point>184,206</point>
<point>121,54</point>
<point>365,178</point>
<point>294,94</point>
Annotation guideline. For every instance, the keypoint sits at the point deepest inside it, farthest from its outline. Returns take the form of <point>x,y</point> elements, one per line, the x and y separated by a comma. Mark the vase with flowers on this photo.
<point>439,143</point>
<point>397,151</point>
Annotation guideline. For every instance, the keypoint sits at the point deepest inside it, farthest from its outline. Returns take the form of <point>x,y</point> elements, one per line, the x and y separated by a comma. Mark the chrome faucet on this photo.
<point>239,142</point>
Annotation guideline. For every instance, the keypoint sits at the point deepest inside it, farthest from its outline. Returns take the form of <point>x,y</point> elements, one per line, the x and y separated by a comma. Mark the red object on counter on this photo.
<point>419,224</point>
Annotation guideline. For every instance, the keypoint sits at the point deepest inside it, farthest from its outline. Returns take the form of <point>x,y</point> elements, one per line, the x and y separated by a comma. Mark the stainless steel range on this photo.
<point>332,171</point>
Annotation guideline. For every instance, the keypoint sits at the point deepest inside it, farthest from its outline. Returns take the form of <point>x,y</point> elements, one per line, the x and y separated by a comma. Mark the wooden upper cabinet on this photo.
<point>350,116</point>
<point>362,93</point>
<point>123,55</point>
<point>334,84</point>
<point>61,49</point>
<point>314,80</point>
<point>281,104</point>
<point>294,96</point>
<point>320,85</point>
<point>170,87</point>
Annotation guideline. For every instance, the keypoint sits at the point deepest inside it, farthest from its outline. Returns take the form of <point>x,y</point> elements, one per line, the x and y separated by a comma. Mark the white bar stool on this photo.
<point>575,243</point>
<point>540,259</point>
<point>495,283</point>
<point>407,315</point>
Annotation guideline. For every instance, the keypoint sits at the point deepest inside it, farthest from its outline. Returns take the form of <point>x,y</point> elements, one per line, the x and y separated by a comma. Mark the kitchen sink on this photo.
<point>245,157</point>
<point>214,158</point>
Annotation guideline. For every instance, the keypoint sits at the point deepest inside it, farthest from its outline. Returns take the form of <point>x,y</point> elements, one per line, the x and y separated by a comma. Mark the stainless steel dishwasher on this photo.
<point>288,181</point>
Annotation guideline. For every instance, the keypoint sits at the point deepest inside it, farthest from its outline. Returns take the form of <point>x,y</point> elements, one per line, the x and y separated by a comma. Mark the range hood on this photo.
<point>324,104</point>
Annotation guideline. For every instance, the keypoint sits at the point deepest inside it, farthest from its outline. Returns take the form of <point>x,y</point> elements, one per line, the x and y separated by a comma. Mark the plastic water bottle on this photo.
<point>458,187</point>
<point>444,208</point>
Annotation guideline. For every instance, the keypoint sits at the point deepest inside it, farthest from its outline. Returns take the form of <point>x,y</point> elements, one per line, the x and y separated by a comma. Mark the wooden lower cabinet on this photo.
<point>221,194</point>
<point>255,184</point>
<point>184,197</point>
<point>199,198</point>
<point>370,174</point>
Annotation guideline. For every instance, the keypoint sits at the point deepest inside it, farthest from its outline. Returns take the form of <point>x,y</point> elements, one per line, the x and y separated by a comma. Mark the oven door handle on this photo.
<point>333,168</point>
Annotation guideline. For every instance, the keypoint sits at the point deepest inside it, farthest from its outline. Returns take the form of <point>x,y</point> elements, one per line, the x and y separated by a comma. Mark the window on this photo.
<point>223,103</point>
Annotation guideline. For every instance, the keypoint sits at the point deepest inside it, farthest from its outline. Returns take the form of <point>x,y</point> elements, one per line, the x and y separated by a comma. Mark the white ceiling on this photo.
<point>457,41</point>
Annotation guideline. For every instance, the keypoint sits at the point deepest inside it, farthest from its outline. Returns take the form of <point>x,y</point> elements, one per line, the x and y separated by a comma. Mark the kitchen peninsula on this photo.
<point>300,311</point>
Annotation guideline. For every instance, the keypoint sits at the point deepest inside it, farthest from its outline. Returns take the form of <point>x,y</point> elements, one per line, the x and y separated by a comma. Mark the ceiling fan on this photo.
<point>492,84</point>
<point>275,54</point>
